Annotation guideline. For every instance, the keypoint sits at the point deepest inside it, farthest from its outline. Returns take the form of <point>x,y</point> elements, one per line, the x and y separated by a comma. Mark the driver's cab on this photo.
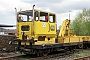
<point>36,23</point>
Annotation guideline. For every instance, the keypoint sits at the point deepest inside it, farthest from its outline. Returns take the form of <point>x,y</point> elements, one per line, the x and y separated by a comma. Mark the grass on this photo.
<point>82,53</point>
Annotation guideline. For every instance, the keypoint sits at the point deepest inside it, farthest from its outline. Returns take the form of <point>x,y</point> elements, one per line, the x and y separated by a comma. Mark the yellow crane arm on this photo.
<point>65,28</point>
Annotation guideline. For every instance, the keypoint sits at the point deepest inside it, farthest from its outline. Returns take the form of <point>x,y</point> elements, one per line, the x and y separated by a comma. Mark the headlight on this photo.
<point>52,28</point>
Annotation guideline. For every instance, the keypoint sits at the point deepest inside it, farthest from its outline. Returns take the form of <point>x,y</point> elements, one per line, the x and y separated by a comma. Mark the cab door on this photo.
<point>52,24</point>
<point>24,27</point>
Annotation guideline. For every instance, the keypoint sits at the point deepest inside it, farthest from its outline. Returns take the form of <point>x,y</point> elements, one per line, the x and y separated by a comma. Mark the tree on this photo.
<point>81,23</point>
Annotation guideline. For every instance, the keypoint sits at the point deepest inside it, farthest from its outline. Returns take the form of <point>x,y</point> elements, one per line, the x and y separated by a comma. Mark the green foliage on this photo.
<point>78,54</point>
<point>81,23</point>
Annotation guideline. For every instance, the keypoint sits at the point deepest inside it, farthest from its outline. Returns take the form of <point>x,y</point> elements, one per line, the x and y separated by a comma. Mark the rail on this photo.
<point>7,58</point>
<point>82,58</point>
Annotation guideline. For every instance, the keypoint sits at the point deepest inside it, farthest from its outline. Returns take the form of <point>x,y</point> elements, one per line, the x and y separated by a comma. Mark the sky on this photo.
<point>62,8</point>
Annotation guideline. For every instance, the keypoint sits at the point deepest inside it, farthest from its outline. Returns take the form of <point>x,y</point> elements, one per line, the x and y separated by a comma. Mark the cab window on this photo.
<point>24,16</point>
<point>43,17</point>
<point>36,16</point>
<point>52,18</point>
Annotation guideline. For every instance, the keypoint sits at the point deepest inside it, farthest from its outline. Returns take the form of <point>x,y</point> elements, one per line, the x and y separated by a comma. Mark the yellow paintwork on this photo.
<point>67,36</point>
<point>70,39</point>
<point>65,28</point>
<point>52,41</point>
<point>38,28</point>
<point>19,31</point>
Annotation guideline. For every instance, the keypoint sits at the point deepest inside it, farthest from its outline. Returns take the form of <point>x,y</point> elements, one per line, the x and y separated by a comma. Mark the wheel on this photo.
<point>81,46</point>
<point>45,53</point>
<point>39,53</point>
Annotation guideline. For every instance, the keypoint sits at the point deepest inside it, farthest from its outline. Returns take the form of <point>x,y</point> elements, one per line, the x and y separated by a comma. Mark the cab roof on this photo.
<point>29,12</point>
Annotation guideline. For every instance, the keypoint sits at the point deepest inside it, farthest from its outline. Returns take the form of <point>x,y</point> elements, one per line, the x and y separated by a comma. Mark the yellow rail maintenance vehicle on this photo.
<point>36,33</point>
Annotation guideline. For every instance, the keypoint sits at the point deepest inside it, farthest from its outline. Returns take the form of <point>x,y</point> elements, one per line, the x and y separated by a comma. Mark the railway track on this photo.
<point>7,58</point>
<point>51,56</point>
<point>56,55</point>
<point>82,58</point>
<point>10,58</point>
